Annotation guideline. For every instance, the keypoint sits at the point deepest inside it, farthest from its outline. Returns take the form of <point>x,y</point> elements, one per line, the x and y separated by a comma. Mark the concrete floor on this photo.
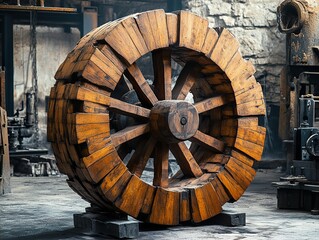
<point>43,208</point>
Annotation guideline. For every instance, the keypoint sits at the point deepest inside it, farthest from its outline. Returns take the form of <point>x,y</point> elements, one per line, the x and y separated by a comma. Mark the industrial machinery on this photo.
<point>299,20</point>
<point>207,119</point>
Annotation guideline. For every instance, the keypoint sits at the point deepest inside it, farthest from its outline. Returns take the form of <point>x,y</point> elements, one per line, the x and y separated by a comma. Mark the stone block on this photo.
<point>220,8</point>
<point>230,219</point>
<point>118,228</point>
<point>105,225</point>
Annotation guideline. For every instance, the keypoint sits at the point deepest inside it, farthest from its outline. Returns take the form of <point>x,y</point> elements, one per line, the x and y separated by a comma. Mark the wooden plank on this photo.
<point>205,203</point>
<point>104,63</point>
<point>242,173</point>
<point>142,88</point>
<point>112,178</point>
<point>211,167</point>
<point>255,136</point>
<point>252,108</point>
<point>185,81</point>
<point>116,190</point>
<point>211,103</point>
<point>162,73</point>
<point>210,69</point>
<point>65,69</point>
<point>242,157</point>
<point>202,179</point>
<point>254,93</point>
<point>90,86</point>
<point>165,208</point>
<point>119,39</point>
<point>209,157</point>
<point>226,46</point>
<point>4,154</point>
<point>172,25</point>
<point>208,141</point>
<point>210,41</point>
<point>96,75</point>
<point>201,89</point>
<point>81,132</point>
<point>96,156</point>
<point>216,78</point>
<point>153,27</point>
<point>87,118</point>
<point>161,165</point>
<point>129,109</point>
<point>185,159</point>
<point>140,157</point>
<point>129,133</point>
<point>251,149</point>
<point>248,122</point>
<point>90,107</point>
<point>224,88</point>
<point>81,93</point>
<point>238,71</point>
<point>134,33</point>
<point>95,143</point>
<point>101,167</point>
<point>192,30</point>
<point>148,200</point>
<point>243,85</point>
<point>229,127</point>
<point>232,188</point>
<point>220,190</point>
<point>115,60</point>
<point>132,198</point>
<point>184,206</point>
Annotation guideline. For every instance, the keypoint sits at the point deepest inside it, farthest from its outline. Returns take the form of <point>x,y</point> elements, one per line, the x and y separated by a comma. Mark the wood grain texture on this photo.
<point>104,142</point>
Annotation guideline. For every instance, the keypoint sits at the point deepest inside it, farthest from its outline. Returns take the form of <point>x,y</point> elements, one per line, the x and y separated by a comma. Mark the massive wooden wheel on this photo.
<point>106,121</point>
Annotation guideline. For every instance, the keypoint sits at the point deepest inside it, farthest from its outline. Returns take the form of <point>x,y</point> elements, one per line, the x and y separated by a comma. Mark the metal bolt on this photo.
<point>183,120</point>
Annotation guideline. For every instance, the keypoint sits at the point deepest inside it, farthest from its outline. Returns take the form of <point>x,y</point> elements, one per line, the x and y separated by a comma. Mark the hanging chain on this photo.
<point>34,75</point>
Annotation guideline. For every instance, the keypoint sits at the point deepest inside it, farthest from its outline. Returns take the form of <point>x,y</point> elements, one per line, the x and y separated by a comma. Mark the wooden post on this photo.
<point>4,155</point>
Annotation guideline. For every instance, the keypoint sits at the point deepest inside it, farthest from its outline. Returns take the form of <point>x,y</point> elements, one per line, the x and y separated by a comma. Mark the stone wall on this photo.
<point>253,22</point>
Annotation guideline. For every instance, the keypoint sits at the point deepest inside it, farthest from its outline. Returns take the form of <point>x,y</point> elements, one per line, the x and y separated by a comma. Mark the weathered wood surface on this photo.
<point>4,154</point>
<point>105,164</point>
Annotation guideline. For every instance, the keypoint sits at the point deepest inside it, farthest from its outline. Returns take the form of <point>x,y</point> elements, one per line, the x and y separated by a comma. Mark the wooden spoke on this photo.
<point>142,153</point>
<point>185,160</point>
<point>211,103</point>
<point>129,133</point>
<point>186,80</point>
<point>142,88</point>
<point>128,109</point>
<point>208,141</point>
<point>100,86</point>
<point>162,73</point>
<point>161,165</point>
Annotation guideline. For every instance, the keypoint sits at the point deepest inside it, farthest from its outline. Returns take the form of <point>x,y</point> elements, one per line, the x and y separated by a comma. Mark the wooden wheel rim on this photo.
<point>218,165</point>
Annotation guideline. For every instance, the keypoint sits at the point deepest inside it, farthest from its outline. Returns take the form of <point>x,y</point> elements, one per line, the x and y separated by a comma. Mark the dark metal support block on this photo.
<point>230,219</point>
<point>105,225</point>
<point>118,228</point>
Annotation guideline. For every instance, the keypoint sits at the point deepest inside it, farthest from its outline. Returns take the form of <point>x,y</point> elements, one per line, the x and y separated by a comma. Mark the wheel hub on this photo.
<point>174,120</point>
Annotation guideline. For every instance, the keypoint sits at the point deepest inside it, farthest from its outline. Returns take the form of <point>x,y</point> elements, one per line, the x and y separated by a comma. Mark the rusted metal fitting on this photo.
<point>291,15</point>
